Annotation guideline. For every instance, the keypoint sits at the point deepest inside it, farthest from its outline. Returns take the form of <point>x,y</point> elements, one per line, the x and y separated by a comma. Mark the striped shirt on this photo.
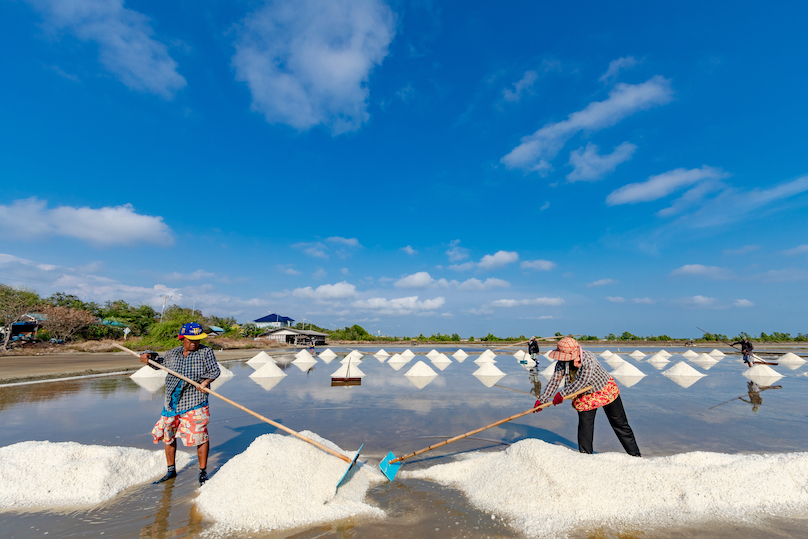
<point>198,366</point>
<point>591,373</point>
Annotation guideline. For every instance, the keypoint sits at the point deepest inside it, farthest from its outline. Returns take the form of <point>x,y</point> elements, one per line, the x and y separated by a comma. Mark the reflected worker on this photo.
<point>754,394</point>
<point>580,368</point>
<point>186,407</point>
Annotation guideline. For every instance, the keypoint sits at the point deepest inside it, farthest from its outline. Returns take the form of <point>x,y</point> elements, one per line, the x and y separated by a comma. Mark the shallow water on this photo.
<point>389,413</point>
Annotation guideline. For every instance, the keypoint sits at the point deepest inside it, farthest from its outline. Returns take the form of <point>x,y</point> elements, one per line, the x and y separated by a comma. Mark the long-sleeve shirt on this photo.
<point>198,366</point>
<point>746,346</point>
<point>533,347</point>
<point>590,373</point>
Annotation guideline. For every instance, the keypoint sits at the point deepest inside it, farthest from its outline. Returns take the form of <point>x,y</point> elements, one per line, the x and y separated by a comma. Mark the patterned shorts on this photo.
<point>590,401</point>
<point>192,426</point>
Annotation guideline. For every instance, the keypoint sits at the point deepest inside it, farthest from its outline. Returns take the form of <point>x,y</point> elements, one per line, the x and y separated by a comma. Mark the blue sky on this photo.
<point>414,167</point>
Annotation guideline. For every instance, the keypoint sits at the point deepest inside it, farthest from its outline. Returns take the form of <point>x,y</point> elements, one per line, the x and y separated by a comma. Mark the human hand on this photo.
<point>538,403</point>
<point>558,399</point>
<point>144,357</point>
<point>205,386</point>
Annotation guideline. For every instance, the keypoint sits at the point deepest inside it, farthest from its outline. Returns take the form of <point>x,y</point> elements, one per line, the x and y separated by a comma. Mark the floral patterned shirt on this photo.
<point>591,373</point>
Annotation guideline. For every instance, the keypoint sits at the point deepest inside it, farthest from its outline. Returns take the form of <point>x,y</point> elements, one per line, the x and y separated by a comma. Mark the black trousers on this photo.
<point>617,419</point>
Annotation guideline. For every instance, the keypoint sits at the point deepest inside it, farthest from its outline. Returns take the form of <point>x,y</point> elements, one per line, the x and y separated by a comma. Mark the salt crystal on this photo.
<point>605,354</point>
<point>381,353</point>
<point>432,353</point>
<point>460,355</point>
<point>147,372</point>
<point>407,354</point>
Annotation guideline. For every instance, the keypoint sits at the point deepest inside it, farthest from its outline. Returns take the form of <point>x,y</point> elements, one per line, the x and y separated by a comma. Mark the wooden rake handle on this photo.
<point>500,422</point>
<point>200,387</point>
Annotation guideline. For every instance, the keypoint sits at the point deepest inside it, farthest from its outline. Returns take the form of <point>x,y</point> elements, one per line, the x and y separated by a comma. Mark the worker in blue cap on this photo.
<point>185,412</point>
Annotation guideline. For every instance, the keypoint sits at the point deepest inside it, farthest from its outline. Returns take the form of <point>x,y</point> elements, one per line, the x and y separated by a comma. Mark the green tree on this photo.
<point>15,303</point>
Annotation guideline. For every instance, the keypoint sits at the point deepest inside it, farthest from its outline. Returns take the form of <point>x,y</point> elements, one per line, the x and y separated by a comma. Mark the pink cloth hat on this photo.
<point>567,349</point>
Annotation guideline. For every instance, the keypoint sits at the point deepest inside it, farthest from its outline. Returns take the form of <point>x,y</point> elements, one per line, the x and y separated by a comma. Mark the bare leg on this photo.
<point>171,453</point>
<point>202,455</point>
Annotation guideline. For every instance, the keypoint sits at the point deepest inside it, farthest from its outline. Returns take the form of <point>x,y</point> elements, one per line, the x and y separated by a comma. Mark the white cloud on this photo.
<point>700,270</point>
<point>644,301</point>
<point>590,166</point>
<point>616,299</point>
<point>615,66</point>
<point>308,63</point>
<point>544,206</point>
<point>409,250</point>
<point>541,265</point>
<point>746,249</point>
<point>349,242</point>
<point>488,284</point>
<point>522,302</point>
<point>536,150</point>
<point>465,266</point>
<point>125,40</point>
<point>399,306</point>
<point>102,227</point>
<point>700,302</point>
<point>799,250</point>
<point>319,274</point>
<point>288,269</point>
<point>315,249</point>
<point>197,275</point>
<point>662,185</point>
<point>601,282</point>
<point>522,86</point>
<point>457,253</point>
<point>742,303</point>
<point>497,260</point>
<point>422,279</point>
<point>326,292</point>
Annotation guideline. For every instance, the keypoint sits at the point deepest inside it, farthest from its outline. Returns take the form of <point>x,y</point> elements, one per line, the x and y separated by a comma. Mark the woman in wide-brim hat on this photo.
<point>580,368</point>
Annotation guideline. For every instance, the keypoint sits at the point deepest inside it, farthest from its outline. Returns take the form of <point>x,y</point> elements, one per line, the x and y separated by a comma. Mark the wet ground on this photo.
<point>720,412</point>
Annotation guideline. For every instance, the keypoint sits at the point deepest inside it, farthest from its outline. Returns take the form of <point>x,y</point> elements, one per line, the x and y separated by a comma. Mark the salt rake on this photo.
<point>390,464</point>
<point>296,434</point>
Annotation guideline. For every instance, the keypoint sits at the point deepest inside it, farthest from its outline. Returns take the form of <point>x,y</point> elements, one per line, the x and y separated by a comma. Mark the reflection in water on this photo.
<point>753,390</point>
<point>43,392</point>
<point>159,529</point>
<point>533,375</point>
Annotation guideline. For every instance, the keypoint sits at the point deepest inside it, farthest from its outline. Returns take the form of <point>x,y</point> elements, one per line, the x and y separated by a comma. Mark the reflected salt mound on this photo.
<point>259,359</point>
<point>304,363</point>
<point>396,361</point>
<point>348,370</point>
<point>327,360</point>
<point>791,360</point>
<point>488,374</point>
<point>636,354</point>
<point>432,354</point>
<point>606,354</point>
<point>716,353</point>
<point>327,355</point>
<point>762,375</point>
<point>407,354</point>
<point>269,370</point>
<point>690,354</point>
<point>381,355</point>
<point>441,361</point>
<point>705,361</point>
<point>683,374</point>
<point>460,356</point>
<point>615,361</point>
<point>627,374</point>
<point>267,383</point>
<point>420,375</point>
<point>658,360</point>
<point>224,376</point>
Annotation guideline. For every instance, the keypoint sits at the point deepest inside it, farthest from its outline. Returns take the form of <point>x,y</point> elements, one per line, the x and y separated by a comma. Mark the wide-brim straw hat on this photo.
<point>567,349</point>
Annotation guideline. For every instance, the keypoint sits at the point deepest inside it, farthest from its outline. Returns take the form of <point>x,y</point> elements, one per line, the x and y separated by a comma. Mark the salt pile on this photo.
<point>762,375</point>
<point>348,369</point>
<point>283,482</point>
<point>396,361</point>
<point>605,354</point>
<point>327,355</point>
<point>791,360</point>
<point>627,374</point>
<point>381,354</point>
<point>488,374</point>
<point>717,353</point>
<point>420,374</point>
<point>690,354</point>
<point>549,371</point>
<point>259,359</point>
<point>664,353</point>
<point>636,354</point>
<point>152,380</point>
<point>224,376</point>
<point>354,354</point>
<point>460,355</point>
<point>304,363</point>
<point>407,354</point>
<point>615,361</point>
<point>441,361</point>
<point>269,370</point>
<point>147,372</point>
<point>705,361</point>
<point>485,359</point>
<point>520,355</point>
<point>68,474</point>
<point>488,353</point>
<point>685,489</point>
<point>432,354</point>
<point>304,354</point>
<point>659,360</point>
<point>683,374</point>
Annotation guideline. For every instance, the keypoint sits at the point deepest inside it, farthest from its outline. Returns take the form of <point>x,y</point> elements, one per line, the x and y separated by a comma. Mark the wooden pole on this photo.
<point>500,422</point>
<point>240,407</point>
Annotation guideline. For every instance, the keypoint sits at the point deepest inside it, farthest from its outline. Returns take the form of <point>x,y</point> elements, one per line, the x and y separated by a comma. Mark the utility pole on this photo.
<point>163,310</point>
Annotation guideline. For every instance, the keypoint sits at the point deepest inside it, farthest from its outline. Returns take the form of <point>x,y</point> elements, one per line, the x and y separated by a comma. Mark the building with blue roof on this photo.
<point>273,321</point>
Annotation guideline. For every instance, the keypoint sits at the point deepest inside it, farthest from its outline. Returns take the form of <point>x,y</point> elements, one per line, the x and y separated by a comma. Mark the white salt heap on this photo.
<point>269,370</point>
<point>615,361</point>
<point>304,363</point>
<point>485,359</point>
<point>717,353</point>
<point>441,361</point>
<point>548,372</point>
<point>259,359</point>
<point>488,369</point>
<point>349,369</point>
<point>420,369</point>
<point>791,360</point>
<point>224,376</point>
<point>664,353</point>
<point>432,354</point>
<point>460,355</point>
<point>407,354</point>
<point>381,354</point>
<point>147,372</point>
<point>304,353</point>
<point>659,360</point>
<point>488,353</point>
<point>327,355</point>
<point>605,354</point>
<point>396,361</point>
<point>705,361</point>
<point>520,355</point>
<point>683,374</point>
<point>686,489</point>
<point>354,354</point>
<point>627,369</point>
<point>762,374</point>
<point>690,354</point>
<point>283,482</point>
<point>636,354</point>
<point>68,474</point>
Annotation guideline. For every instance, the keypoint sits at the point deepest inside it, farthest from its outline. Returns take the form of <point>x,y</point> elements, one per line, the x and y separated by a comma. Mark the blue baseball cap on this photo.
<point>192,331</point>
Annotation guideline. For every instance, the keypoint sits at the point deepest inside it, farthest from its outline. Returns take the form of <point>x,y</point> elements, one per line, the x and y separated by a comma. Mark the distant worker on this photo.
<point>533,349</point>
<point>746,349</point>
<point>185,409</point>
<point>579,368</point>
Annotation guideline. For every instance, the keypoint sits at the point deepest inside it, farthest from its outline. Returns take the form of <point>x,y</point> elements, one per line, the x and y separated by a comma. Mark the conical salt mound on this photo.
<point>355,358</point>
<point>259,359</point>
<point>791,360</point>
<point>484,359</point>
<point>380,354</point>
<point>460,356</point>
<point>762,375</point>
<point>269,370</point>
<point>420,369</point>
<point>151,384</point>
<point>690,354</point>
<point>520,355</point>
<point>224,376</point>
<point>303,353</point>
<point>717,353</point>
<point>396,361</point>
<point>488,369</point>
<point>381,359</point>
<point>348,369</point>
<point>606,354</point>
<point>432,353</point>
<point>658,360</point>
<point>441,361</point>
<point>147,372</point>
<point>705,361</point>
<point>550,370</point>
<point>627,369</point>
<point>489,353</point>
<point>615,361</point>
<point>636,354</point>
<point>683,374</point>
<point>628,381</point>
<point>407,354</point>
<point>354,354</point>
<point>304,360</point>
<point>664,354</point>
<point>327,354</point>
